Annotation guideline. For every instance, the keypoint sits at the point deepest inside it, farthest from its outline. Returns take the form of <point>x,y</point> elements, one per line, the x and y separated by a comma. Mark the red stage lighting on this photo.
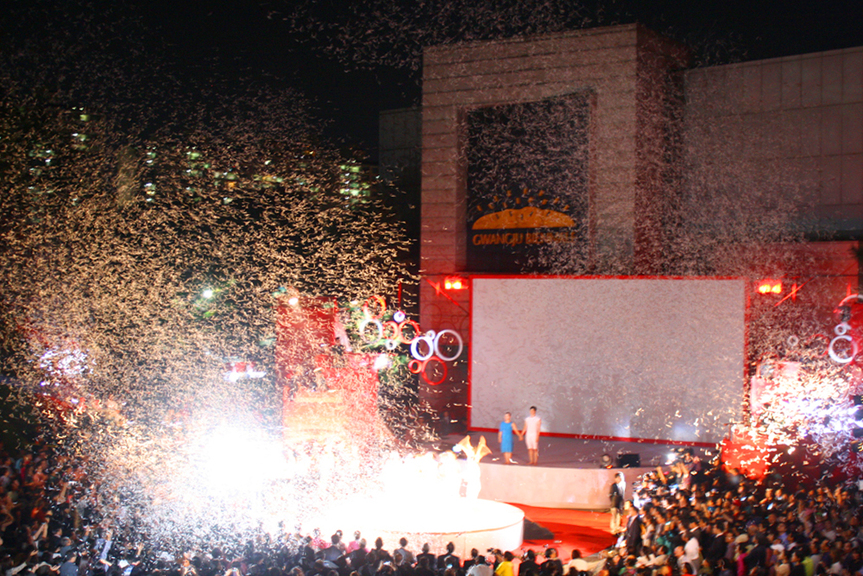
<point>769,287</point>
<point>454,283</point>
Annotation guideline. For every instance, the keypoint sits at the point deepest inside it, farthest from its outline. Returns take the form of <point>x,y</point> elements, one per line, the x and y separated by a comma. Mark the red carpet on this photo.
<point>588,531</point>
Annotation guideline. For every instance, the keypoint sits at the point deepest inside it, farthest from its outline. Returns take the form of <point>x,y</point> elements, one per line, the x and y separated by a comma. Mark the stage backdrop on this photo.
<point>650,358</point>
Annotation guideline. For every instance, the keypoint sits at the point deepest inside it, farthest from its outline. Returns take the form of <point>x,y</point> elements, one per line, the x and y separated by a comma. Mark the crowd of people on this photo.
<point>689,520</point>
<point>699,520</point>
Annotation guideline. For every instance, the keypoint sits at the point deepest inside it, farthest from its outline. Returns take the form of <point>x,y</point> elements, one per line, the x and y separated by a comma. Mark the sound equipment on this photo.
<point>628,460</point>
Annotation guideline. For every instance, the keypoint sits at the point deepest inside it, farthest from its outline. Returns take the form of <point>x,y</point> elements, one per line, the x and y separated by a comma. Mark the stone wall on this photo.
<point>625,68</point>
<point>791,127</point>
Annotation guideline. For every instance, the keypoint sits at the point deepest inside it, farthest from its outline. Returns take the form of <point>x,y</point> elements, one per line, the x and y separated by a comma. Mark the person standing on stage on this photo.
<point>532,425</point>
<point>504,437</point>
<point>617,495</point>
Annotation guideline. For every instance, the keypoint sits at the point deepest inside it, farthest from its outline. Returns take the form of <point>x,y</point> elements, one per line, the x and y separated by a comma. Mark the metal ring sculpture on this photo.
<point>843,359</point>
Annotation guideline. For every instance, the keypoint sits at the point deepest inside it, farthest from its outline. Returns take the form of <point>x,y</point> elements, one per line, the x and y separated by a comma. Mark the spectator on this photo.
<point>528,565</point>
<point>449,559</point>
<point>504,566</point>
<point>479,568</point>
<point>407,556</point>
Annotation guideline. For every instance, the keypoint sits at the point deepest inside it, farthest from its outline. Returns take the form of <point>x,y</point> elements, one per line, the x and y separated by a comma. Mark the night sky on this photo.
<point>282,43</point>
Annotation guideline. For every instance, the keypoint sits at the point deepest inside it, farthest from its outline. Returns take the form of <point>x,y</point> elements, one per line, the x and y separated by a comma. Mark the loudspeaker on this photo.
<point>628,460</point>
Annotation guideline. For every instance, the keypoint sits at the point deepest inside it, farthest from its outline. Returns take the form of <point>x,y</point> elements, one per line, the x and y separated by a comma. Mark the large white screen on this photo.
<point>650,358</point>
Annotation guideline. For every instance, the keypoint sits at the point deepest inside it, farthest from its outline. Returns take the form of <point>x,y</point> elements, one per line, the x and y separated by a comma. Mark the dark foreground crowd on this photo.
<point>699,520</point>
<point>691,520</point>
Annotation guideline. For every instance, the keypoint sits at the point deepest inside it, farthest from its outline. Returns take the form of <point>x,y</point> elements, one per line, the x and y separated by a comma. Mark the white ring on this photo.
<point>842,328</point>
<point>391,344</point>
<point>437,345</point>
<point>835,356</point>
<point>362,328</point>
<point>793,341</point>
<point>415,351</point>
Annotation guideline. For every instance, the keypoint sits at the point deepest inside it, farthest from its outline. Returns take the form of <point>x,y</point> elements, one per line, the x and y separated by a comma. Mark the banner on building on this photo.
<point>527,184</point>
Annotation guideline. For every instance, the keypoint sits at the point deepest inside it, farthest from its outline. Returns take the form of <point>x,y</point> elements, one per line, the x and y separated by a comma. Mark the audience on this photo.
<point>687,520</point>
<point>719,523</point>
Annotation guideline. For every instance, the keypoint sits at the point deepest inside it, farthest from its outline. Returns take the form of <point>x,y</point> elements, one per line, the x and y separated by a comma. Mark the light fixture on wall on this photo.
<point>454,283</point>
<point>769,286</point>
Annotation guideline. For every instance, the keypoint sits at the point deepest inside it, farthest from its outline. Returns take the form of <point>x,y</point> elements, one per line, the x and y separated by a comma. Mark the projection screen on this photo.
<point>638,358</point>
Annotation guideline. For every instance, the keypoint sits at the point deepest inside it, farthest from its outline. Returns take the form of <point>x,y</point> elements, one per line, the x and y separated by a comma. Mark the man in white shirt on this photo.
<point>691,552</point>
<point>480,568</point>
<point>532,425</point>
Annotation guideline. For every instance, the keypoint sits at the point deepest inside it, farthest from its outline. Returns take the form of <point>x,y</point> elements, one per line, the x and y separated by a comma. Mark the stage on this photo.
<point>569,474</point>
<point>464,522</point>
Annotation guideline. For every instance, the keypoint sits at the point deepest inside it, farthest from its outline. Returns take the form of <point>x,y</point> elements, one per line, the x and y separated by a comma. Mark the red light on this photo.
<point>769,287</point>
<point>453,283</point>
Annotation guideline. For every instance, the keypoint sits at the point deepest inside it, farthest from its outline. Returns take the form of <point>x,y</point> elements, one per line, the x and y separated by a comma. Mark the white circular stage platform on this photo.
<point>467,523</point>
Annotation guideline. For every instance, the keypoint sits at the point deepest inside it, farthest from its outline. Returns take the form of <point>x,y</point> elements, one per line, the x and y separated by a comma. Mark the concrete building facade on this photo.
<point>669,151</point>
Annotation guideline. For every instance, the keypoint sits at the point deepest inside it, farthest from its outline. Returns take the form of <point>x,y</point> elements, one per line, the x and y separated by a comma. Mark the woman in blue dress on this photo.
<point>504,437</point>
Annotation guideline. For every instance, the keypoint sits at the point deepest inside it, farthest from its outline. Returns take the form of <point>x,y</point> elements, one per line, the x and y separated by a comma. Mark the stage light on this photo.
<point>769,287</point>
<point>293,300</point>
<point>208,294</point>
<point>454,283</point>
<point>857,429</point>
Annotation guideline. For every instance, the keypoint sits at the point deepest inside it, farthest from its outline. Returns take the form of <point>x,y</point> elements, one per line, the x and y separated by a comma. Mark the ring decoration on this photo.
<point>425,373</point>
<point>429,342</point>
<point>793,341</point>
<point>381,303</point>
<point>843,359</point>
<point>391,331</point>
<point>438,351</point>
<point>421,367</point>
<point>425,348</point>
<point>414,326</point>
<point>842,328</point>
<point>364,324</point>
